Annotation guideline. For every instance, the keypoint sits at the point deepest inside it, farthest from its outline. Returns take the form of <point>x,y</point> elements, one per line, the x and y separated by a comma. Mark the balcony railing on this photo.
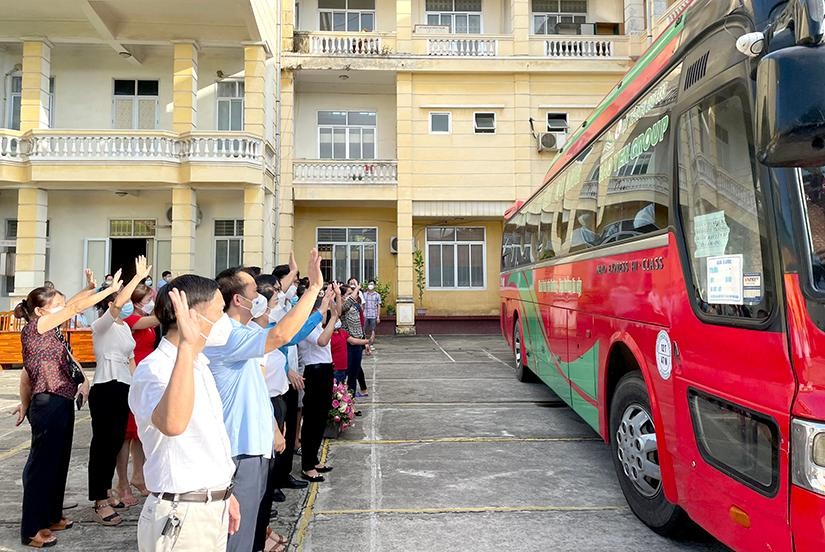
<point>133,146</point>
<point>343,44</point>
<point>578,48</point>
<point>462,47</point>
<point>328,171</point>
<point>10,145</point>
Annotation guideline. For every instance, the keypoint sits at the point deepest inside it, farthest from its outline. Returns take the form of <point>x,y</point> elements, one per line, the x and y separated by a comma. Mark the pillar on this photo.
<point>403,26</point>
<point>634,17</point>
<point>253,225</point>
<point>525,144</point>
<point>521,27</point>
<point>405,307</point>
<point>286,209</point>
<point>184,218</point>
<point>34,105</point>
<point>30,257</point>
<point>288,25</point>
<point>254,112</point>
<point>185,87</point>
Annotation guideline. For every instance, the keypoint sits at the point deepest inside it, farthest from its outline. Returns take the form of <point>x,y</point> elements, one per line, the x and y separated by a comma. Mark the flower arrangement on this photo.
<point>342,413</point>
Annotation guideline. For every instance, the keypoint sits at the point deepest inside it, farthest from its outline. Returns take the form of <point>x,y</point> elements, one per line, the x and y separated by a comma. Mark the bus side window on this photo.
<point>722,215</point>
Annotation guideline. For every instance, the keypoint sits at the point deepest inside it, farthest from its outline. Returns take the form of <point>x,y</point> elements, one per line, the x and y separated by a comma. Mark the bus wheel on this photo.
<point>636,457</point>
<point>523,373</point>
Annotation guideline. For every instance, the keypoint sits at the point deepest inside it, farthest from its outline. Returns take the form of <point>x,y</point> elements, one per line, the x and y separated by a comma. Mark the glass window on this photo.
<point>813,185</point>
<point>741,443</point>
<point>722,214</point>
<point>455,257</point>
<point>557,122</point>
<point>484,123</point>
<point>347,135</point>
<point>559,16</point>
<point>230,105</point>
<point>135,104</point>
<point>461,16</point>
<point>348,252</point>
<point>440,123</point>
<point>228,244</point>
<point>346,15</point>
<point>124,88</point>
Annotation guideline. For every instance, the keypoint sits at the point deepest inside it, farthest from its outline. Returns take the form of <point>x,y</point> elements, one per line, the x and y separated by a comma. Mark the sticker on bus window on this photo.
<point>725,280</point>
<point>710,234</point>
<point>752,288</point>
<point>664,358</point>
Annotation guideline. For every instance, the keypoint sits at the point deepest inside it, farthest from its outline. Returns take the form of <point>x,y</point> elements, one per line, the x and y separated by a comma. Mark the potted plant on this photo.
<point>418,266</point>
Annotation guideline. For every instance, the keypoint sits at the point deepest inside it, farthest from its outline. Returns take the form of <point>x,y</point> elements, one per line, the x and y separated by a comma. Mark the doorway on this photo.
<point>124,251</point>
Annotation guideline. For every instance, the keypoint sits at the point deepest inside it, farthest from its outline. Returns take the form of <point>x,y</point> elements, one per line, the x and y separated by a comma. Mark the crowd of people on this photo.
<point>210,385</point>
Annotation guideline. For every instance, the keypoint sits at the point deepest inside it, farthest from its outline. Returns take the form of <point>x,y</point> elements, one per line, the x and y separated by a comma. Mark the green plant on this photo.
<point>383,289</point>
<point>418,266</point>
<point>390,310</point>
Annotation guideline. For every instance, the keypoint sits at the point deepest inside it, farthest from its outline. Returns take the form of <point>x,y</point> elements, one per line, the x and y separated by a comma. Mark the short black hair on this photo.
<point>268,285</point>
<point>230,284</point>
<point>253,271</point>
<point>165,274</point>
<point>280,271</point>
<point>109,276</point>
<point>198,290</point>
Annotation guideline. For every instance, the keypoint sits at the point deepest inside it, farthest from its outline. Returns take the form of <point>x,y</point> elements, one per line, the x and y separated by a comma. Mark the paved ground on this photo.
<point>452,454</point>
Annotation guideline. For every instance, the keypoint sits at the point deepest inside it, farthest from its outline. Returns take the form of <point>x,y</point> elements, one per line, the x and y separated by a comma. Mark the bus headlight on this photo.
<point>808,455</point>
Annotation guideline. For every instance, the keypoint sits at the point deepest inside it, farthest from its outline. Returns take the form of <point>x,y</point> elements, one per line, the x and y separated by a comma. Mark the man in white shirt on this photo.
<point>179,415</point>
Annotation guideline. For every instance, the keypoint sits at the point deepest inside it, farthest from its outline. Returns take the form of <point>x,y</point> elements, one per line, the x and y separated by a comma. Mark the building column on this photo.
<point>30,256</point>
<point>185,87</point>
<point>524,141</point>
<point>403,26</point>
<point>286,209</point>
<point>254,112</point>
<point>34,105</point>
<point>253,226</point>
<point>405,307</point>
<point>184,219</point>
<point>521,27</point>
<point>288,25</point>
<point>634,17</point>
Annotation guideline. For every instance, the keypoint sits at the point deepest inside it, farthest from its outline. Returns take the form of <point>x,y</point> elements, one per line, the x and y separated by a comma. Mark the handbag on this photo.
<point>75,372</point>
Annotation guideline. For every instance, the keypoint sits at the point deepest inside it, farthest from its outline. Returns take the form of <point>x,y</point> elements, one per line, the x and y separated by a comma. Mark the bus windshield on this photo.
<point>813,184</point>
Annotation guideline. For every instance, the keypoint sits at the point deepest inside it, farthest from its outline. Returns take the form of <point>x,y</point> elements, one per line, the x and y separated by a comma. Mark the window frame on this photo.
<point>9,115</point>
<point>559,115</point>
<point>481,130</point>
<point>455,243</point>
<point>449,115</point>
<point>348,244</point>
<point>558,15</point>
<point>237,224</point>
<point>452,14</point>
<point>347,11</point>
<point>348,127</point>
<point>229,99</point>
<point>135,105</point>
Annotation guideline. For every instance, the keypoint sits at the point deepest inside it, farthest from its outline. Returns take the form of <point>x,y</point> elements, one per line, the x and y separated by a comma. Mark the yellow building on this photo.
<point>413,125</point>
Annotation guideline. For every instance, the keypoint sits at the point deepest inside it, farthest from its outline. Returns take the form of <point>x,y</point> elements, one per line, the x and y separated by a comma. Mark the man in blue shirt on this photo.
<point>247,410</point>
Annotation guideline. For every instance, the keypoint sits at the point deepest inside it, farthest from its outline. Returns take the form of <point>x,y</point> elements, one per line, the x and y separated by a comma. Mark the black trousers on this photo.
<point>354,370</point>
<point>44,477</point>
<point>317,404</point>
<point>109,408</point>
<point>283,462</point>
<point>265,510</point>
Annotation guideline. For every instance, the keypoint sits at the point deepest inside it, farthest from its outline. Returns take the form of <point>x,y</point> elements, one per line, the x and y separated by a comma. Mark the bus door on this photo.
<point>732,380</point>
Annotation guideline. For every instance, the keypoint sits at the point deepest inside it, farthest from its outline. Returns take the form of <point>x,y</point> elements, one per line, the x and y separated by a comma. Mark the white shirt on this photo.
<point>199,458</point>
<point>311,352</point>
<point>275,373</point>
<point>114,348</point>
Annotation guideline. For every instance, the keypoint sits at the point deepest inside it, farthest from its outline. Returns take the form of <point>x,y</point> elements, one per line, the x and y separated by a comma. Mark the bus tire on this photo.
<point>635,458</point>
<point>523,373</point>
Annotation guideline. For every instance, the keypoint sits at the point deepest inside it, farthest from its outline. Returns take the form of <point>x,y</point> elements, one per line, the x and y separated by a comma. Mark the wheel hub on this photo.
<point>638,451</point>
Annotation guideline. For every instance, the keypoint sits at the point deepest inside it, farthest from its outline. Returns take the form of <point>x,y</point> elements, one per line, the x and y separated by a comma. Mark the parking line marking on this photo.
<point>299,534</point>
<point>531,402</point>
<point>468,440</point>
<point>472,510</point>
<point>442,349</point>
<point>25,445</point>
<point>493,357</point>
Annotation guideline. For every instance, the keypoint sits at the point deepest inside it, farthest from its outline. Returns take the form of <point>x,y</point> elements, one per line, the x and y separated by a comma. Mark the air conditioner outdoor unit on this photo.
<point>551,141</point>
<point>394,245</point>
<point>198,217</point>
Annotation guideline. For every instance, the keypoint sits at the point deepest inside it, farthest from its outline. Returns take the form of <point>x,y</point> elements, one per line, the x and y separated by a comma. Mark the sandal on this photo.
<point>126,498</point>
<point>62,525</point>
<point>41,541</point>
<point>274,541</point>
<point>109,521</point>
<point>141,489</point>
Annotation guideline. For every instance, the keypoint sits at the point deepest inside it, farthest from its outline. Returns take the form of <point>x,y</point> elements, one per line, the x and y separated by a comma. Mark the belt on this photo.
<point>197,496</point>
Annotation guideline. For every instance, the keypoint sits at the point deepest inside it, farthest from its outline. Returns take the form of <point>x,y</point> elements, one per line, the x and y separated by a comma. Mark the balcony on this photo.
<point>344,44</point>
<point>581,47</point>
<point>325,171</point>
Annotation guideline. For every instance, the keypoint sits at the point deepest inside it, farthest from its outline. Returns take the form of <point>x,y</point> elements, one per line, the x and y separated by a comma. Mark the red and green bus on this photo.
<point>667,280</point>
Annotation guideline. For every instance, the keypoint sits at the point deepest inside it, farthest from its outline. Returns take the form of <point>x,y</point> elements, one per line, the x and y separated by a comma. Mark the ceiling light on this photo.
<point>125,54</point>
<point>343,77</point>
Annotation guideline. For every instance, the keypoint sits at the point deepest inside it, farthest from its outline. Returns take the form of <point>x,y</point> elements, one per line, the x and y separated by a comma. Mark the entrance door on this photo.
<point>124,251</point>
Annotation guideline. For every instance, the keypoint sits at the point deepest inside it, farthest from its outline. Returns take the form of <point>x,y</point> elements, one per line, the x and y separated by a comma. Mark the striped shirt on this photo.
<point>372,301</point>
<point>352,318</point>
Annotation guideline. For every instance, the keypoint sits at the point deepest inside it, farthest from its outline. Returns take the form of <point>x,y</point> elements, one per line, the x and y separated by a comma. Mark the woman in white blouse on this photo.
<point>108,400</point>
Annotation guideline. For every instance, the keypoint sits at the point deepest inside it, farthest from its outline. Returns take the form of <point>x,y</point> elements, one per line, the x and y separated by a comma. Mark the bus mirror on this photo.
<point>790,107</point>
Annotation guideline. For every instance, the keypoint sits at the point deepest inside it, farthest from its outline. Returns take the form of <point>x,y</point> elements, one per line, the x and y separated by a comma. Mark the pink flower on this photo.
<point>335,404</point>
<point>338,418</point>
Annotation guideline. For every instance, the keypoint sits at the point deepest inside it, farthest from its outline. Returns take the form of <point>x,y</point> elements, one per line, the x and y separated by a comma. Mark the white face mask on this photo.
<point>291,291</point>
<point>276,313</point>
<point>55,310</point>
<point>149,307</point>
<point>371,286</point>
<point>259,305</point>
<point>338,325</point>
<point>219,334</point>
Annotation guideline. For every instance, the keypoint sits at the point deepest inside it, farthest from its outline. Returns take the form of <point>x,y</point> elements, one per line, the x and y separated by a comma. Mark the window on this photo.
<point>135,104</point>
<point>484,123</point>
<point>230,105</point>
<point>813,185</point>
<point>558,16</point>
<point>557,122</point>
<point>455,257</point>
<point>348,253</point>
<point>8,249</point>
<point>723,219</point>
<point>16,101</point>
<point>440,123</point>
<point>228,244</point>
<point>461,16</point>
<point>346,135</point>
<point>346,15</point>
<point>128,228</point>
<point>741,443</point>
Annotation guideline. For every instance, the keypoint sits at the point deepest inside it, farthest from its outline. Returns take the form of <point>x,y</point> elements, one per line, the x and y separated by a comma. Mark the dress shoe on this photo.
<point>316,479</point>
<point>278,496</point>
<point>292,483</point>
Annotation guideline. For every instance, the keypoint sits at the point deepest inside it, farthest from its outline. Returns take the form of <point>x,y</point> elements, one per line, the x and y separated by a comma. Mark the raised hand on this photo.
<point>142,268</point>
<point>316,278</point>
<point>189,328</point>
<point>117,282</point>
<point>91,283</point>
<point>293,265</point>
<point>325,302</point>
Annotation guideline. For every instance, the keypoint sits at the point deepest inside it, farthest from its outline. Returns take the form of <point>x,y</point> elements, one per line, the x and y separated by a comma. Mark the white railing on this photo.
<point>221,148</point>
<point>345,172</point>
<point>578,48</point>
<point>657,183</point>
<point>349,45</point>
<point>10,146</point>
<point>462,47</point>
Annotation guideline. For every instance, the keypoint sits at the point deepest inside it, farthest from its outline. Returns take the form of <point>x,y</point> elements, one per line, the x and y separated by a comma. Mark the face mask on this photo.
<point>55,310</point>
<point>294,300</point>
<point>338,325</point>
<point>276,314</point>
<point>258,307</point>
<point>149,307</point>
<point>291,291</point>
<point>370,286</point>
<point>219,334</point>
<point>149,283</point>
<point>108,282</point>
<point>127,310</point>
